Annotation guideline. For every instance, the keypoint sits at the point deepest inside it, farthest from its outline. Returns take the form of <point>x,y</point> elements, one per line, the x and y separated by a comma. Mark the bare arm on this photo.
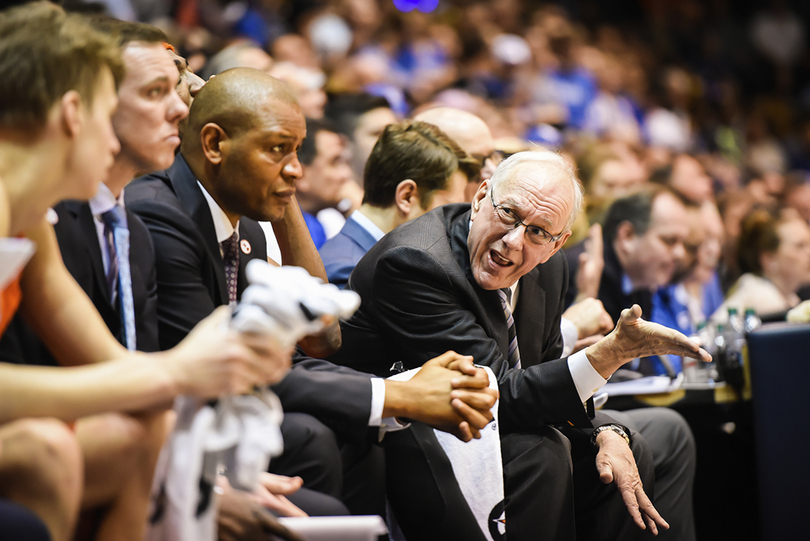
<point>297,249</point>
<point>211,361</point>
<point>59,311</point>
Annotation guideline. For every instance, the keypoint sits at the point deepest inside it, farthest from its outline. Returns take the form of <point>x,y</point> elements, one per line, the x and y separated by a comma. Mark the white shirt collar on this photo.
<point>368,225</point>
<point>104,200</point>
<point>222,225</point>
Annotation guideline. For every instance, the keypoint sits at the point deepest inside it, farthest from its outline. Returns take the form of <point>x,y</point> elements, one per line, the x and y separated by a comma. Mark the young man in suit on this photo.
<point>413,168</point>
<point>238,164</point>
<point>435,284</point>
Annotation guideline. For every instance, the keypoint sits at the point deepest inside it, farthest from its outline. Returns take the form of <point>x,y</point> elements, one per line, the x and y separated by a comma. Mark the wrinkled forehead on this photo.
<point>538,187</point>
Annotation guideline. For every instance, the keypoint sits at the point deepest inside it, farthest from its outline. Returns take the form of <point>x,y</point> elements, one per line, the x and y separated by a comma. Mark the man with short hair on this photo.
<point>325,170</point>
<point>449,279</point>
<point>238,164</point>
<point>413,168</point>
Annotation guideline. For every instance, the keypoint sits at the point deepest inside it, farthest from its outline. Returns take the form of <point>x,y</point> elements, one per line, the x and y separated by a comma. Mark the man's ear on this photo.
<point>406,196</point>
<point>214,142</point>
<point>478,198</point>
<point>625,234</point>
<point>70,107</point>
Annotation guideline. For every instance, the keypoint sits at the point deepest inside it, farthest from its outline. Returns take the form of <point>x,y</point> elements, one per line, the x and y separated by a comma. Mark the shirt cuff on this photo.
<point>570,335</point>
<point>586,379</point>
<point>377,404</point>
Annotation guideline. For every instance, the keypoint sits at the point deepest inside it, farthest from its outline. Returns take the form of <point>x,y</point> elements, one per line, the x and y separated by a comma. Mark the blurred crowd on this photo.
<point>711,98</point>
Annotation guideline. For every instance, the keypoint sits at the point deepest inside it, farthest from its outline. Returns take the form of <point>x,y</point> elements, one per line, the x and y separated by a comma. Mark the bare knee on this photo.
<point>41,468</point>
<point>43,451</point>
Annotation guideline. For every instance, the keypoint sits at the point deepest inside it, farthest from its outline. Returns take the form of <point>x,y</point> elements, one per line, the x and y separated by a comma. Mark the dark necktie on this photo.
<point>119,277</point>
<point>514,352</point>
<point>230,256</point>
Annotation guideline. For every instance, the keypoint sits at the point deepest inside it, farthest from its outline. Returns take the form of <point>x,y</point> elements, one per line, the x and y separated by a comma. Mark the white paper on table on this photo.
<point>14,254</point>
<point>352,528</point>
<point>646,385</point>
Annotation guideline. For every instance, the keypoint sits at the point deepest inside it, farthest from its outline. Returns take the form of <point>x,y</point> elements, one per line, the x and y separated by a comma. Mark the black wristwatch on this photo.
<point>621,430</point>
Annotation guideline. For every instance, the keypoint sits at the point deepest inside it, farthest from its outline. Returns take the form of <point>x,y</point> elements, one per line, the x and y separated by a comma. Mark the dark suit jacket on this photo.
<point>419,299</point>
<point>341,253</point>
<point>191,284</point>
<point>79,245</point>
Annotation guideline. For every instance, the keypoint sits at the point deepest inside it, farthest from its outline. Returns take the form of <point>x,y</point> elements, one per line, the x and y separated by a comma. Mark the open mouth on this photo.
<point>499,260</point>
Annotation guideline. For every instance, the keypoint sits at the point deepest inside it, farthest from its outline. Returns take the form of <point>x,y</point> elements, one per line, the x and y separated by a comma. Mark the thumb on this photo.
<point>605,471</point>
<point>630,315</point>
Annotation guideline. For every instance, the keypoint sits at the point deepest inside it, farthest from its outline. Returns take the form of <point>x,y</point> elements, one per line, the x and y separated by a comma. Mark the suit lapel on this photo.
<point>184,184</point>
<point>80,212</point>
<point>489,311</point>
<point>530,317</point>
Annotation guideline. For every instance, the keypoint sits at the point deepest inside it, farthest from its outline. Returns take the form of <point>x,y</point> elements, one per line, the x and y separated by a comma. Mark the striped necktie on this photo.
<point>514,352</point>
<point>119,276</point>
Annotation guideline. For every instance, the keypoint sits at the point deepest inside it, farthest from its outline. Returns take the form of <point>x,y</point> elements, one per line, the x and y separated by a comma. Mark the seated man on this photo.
<point>444,280</point>
<point>238,164</point>
<point>57,143</point>
<point>413,168</point>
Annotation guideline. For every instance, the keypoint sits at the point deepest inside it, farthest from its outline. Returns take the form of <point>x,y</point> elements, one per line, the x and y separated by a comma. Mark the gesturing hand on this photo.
<point>635,337</point>
<point>616,464</point>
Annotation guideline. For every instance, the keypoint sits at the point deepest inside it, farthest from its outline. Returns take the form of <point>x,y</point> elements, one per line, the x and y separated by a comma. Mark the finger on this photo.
<point>280,484</point>
<point>464,364</point>
<point>479,400</point>
<point>654,518</point>
<point>475,418</point>
<point>479,381</point>
<point>462,431</point>
<point>605,471</point>
<point>445,358</point>
<point>630,315</point>
<point>595,248</point>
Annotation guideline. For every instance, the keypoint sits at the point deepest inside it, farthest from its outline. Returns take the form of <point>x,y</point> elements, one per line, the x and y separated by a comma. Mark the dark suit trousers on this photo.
<point>429,505</point>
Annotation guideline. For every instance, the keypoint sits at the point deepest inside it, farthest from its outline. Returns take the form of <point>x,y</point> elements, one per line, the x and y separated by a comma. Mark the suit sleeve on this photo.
<point>424,318</point>
<point>339,397</point>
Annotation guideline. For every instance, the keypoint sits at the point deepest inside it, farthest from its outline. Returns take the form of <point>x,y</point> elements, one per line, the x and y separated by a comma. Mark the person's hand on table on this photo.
<point>616,464</point>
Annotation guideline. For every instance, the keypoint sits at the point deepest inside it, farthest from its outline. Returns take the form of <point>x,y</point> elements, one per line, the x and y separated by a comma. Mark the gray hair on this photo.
<point>543,158</point>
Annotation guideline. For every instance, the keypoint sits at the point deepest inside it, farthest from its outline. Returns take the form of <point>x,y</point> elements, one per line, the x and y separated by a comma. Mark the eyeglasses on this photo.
<point>496,156</point>
<point>508,217</point>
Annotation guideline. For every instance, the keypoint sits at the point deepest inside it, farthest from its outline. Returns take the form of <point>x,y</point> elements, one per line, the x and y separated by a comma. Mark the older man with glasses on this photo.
<point>487,280</point>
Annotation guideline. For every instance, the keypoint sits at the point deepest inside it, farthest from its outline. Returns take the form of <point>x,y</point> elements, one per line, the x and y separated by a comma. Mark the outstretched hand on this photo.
<point>635,337</point>
<point>616,464</point>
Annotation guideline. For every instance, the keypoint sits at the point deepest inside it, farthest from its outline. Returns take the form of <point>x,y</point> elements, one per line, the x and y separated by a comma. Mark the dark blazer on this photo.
<point>79,246</point>
<point>191,284</point>
<point>419,299</point>
<point>341,253</point>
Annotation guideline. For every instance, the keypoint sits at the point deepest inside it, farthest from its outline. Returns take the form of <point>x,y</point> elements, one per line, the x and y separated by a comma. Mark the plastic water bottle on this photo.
<point>751,320</point>
<point>735,320</point>
<point>734,343</point>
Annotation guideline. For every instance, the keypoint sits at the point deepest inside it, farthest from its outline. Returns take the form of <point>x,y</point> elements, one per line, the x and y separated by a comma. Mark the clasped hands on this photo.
<point>448,393</point>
